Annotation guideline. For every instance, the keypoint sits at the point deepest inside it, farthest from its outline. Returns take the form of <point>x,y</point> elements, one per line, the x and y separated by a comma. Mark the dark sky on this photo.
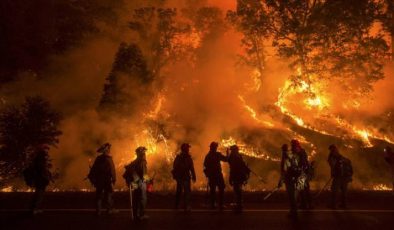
<point>32,31</point>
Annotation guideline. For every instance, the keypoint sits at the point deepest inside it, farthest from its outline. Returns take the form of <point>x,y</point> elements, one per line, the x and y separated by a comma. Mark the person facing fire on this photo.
<point>341,174</point>
<point>290,175</point>
<point>183,172</point>
<point>389,157</point>
<point>38,176</point>
<point>213,171</point>
<point>304,178</point>
<point>239,175</point>
<point>102,175</point>
<point>136,176</point>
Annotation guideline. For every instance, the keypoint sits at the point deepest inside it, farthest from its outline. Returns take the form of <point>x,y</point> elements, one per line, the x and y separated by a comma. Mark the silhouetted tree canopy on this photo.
<point>23,128</point>
<point>388,15</point>
<point>251,20</point>
<point>127,81</point>
<point>209,22</point>
<point>160,36</point>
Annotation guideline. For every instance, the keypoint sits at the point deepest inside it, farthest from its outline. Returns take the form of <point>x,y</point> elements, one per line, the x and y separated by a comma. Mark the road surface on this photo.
<point>367,210</point>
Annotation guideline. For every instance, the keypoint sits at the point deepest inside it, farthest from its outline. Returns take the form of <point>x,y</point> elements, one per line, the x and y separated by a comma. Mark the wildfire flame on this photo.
<point>381,187</point>
<point>253,113</point>
<point>378,187</point>
<point>321,103</point>
<point>247,150</point>
<point>7,189</point>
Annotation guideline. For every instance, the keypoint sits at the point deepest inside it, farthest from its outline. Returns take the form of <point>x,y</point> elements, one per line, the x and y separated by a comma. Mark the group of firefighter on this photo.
<point>296,173</point>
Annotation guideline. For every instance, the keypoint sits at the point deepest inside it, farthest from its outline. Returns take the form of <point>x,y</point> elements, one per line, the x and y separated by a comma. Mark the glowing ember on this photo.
<point>316,102</point>
<point>247,150</point>
<point>381,187</point>
<point>154,144</point>
<point>256,81</point>
<point>7,189</point>
<point>192,39</point>
<point>253,113</point>
<point>153,114</point>
<point>14,189</point>
<point>321,102</point>
<point>299,121</point>
<point>364,135</point>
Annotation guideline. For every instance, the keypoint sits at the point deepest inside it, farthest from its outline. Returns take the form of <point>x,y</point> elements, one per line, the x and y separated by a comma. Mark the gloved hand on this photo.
<point>134,185</point>
<point>280,183</point>
<point>146,178</point>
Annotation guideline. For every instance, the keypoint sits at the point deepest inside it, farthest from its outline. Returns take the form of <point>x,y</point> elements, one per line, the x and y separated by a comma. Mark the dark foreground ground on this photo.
<point>74,210</point>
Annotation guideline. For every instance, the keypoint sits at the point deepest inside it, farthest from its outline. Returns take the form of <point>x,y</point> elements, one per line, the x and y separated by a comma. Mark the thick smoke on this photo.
<point>196,103</point>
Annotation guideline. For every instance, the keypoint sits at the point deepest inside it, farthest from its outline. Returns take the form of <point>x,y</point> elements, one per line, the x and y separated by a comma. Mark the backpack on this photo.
<point>28,176</point>
<point>347,169</point>
<point>311,171</point>
<point>239,171</point>
<point>245,173</point>
<point>294,170</point>
<point>129,173</point>
<point>95,171</point>
<point>92,177</point>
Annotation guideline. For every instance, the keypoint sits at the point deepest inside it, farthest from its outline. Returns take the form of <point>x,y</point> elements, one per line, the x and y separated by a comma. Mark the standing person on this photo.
<point>239,175</point>
<point>341,174</point>
<point>290,175</point>
<point>102,175</point>
<point>38,176</point>
<point>183,172</point>
<point>305,197</point>
<point>389,157</point>
<point>136,175</point>
<point>213,171</point>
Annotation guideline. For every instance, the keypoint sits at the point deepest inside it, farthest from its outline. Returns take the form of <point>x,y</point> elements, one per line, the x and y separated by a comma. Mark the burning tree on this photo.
<point>22,128</point>
<point>250,19</point>
<point>321,39</point>
<point>159,39</point>
<point>161,36</point>
<point>208,21</point>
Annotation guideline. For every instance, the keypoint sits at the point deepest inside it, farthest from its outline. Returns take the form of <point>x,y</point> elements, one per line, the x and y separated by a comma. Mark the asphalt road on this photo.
<point>367,210</point>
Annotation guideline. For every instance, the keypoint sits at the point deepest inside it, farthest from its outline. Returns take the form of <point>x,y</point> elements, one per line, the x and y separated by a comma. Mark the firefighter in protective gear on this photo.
<point>213,171</point>
<point>38,176</point>
<point>341,174</point>
<point>102,175</point>
<point>239,175</point>
<point>183,172</point>
<point>290,175</point>
<point>305,176</point>
<point>136,175</point>
<point>389,157</point>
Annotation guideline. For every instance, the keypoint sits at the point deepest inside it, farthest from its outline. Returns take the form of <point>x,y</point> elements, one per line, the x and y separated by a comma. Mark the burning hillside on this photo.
<point>245,73</point>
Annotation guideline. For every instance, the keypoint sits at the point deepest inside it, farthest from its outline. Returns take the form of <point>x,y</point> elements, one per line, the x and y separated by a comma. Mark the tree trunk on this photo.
<point>259,61</point>
<point>392,46</point>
